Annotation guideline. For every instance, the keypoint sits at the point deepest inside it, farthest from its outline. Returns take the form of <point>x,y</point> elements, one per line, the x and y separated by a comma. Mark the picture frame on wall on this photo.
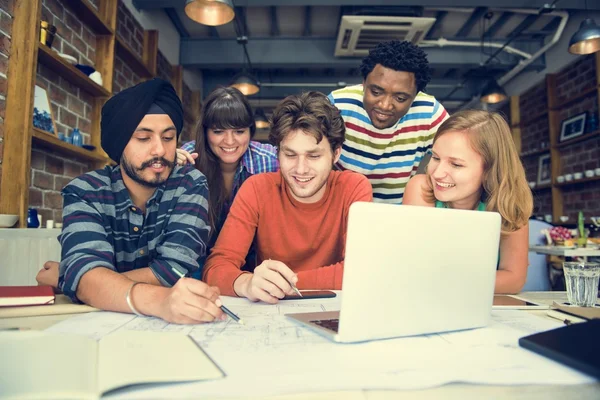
<point>42,111</point>
<point>572,127</point>
<point>544,175</point>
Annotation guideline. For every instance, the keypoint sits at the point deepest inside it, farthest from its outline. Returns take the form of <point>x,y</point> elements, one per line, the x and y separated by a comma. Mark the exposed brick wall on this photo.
<point>578,157</point>
<point>534,101</point>
<point>575,78</point>
<point>581,197</point>
<point>542,202</point>
<point>535,135</point>
<point>72,37</point>
<point>49,174</point>
<point>71,108</point>
<point>129,30</point>
<point>123,76</point>
<point>164,69</point>
<point>6,17</point>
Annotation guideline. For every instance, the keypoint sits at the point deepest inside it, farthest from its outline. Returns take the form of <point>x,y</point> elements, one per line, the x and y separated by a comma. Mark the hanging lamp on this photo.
<point>587,39</point>
<point>260,119</point>
<point>246,83</point>
<point>492,93</point>
<point>210,12</point>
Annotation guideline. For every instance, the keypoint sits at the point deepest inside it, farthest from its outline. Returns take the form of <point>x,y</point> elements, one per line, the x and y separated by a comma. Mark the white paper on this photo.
<point>273,355</point>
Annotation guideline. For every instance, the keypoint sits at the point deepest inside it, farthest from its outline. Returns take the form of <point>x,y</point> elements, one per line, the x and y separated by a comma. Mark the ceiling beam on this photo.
<point>278,87</point>
<point>498,24</point>
<point>310,53</point>
<point>307,21</point>
<point>274,21</point>
<point>177,23</point>
<point>475,17</point>
<point>439,17</point>
<point>531,4</point>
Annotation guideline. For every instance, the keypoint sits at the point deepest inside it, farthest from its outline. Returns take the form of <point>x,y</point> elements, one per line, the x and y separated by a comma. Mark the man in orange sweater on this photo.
<point>297,216</point>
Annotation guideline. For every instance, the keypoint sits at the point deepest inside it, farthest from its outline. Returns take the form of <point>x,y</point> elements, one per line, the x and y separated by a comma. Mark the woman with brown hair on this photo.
<point>475,166</point>
<point>225,153</point>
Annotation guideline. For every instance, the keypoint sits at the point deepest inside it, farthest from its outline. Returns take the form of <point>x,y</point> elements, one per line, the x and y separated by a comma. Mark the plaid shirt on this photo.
<point>260,157</point>
<point>103,228</point>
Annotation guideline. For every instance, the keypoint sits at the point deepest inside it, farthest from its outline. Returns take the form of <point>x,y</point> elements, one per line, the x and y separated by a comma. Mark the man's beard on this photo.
<point>134,172</point>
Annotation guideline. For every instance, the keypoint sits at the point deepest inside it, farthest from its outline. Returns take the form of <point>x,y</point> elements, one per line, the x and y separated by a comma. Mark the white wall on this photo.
<point>557,57</point>
<point>168,39</point>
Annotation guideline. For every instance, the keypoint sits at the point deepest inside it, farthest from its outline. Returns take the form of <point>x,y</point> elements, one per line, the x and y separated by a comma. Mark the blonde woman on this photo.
<point>475,166</point>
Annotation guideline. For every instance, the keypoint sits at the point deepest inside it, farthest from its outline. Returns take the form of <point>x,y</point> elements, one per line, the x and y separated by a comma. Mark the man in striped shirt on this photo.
<point>390,122</point>
<point>132,232</point>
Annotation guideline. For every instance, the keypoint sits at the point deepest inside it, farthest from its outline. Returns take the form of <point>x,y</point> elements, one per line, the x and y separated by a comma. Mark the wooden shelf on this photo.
<point>578,181</point>
<point>56,63</point>
<point>581,138</point>
<point>89,16</point>
<point>542,187</point>
<point>131,59</point>
<point>49,140</point>
<point>587,92</point>
<point>534,153</point>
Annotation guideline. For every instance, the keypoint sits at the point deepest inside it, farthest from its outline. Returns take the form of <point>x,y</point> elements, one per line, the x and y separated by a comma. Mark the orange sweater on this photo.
<point>308,238</point>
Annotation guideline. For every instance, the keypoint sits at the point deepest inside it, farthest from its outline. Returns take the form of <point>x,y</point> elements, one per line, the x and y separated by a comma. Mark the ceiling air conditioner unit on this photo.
<point>359,33</point>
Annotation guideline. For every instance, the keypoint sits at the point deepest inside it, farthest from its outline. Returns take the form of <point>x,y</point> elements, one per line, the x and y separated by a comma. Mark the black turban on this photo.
<point>123,112</point>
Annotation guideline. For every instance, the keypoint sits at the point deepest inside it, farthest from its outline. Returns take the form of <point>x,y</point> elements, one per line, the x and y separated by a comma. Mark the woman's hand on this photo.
<point>183,157</point>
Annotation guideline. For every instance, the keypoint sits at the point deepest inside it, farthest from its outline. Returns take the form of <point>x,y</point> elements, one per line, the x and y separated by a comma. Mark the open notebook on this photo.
<point>62,366</point>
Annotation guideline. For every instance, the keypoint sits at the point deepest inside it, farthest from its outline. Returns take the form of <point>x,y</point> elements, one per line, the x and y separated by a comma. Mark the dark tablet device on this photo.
<point>575,345</point>
<point>311,294</point>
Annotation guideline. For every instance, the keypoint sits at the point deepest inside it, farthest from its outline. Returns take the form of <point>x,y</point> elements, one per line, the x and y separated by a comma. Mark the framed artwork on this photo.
<point>544,175</point>
<point>572,127</point>
<point>42,112</point>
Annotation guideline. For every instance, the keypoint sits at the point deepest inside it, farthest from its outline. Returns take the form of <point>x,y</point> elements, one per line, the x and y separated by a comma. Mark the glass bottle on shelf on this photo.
<point>76,137</point>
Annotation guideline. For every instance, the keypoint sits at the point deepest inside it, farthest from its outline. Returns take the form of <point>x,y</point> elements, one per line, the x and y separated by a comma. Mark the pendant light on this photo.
<point>260,119</point>
<point>246,83</point>
<point>492,93</point>
<point>587,39</point>
<point>210,12</point>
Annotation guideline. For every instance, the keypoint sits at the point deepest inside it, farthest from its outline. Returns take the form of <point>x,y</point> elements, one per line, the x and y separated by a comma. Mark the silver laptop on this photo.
<point>412,270</point>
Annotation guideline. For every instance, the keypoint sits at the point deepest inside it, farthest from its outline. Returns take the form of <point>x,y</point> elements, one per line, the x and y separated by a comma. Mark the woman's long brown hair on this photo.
<point>224,108</point>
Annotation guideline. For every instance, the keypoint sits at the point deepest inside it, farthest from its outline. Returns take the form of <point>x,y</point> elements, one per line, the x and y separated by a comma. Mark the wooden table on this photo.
<point>566,252</point>
<point>454,391</point>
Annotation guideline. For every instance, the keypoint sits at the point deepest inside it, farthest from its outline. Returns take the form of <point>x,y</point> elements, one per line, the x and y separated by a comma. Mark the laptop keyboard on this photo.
<point>331,324</point>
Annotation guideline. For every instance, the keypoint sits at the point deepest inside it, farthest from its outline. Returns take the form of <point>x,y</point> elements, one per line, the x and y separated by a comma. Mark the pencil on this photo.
<point>232,315</point>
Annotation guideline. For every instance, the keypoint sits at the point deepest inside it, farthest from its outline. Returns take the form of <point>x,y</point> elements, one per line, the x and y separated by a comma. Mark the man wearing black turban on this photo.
<point>132,233</point>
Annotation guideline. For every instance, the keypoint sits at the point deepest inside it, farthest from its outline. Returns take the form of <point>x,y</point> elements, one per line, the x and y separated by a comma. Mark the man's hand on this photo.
<point>183,157</point>
<point>191,301</point>
<point>269,282</point>
<point>48,275</point>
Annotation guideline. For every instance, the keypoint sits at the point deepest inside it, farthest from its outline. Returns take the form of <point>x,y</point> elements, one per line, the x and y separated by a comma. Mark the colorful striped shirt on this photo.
<point>387,157</point>
<point>103,228</point>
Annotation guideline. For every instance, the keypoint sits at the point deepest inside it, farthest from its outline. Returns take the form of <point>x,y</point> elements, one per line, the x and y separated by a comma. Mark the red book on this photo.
<point>26,295</point>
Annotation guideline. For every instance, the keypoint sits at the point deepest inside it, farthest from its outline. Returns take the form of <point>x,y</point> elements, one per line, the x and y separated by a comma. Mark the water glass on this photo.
<point>582,279</point>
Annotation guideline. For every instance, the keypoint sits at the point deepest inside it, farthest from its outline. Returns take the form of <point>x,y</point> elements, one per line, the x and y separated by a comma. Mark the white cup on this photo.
<point>560,178</point>
<point>568,177</point>
<point>532,184</point>
<point>564,218</point>
<point>578,175</point>
<point>50,224</point>
<point>589,173</point>
<point>597,171</point>
<point>548,218</point>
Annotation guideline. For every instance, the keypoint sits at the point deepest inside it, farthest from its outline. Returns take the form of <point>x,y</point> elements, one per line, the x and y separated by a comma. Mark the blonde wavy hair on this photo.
<point>505,188</point>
